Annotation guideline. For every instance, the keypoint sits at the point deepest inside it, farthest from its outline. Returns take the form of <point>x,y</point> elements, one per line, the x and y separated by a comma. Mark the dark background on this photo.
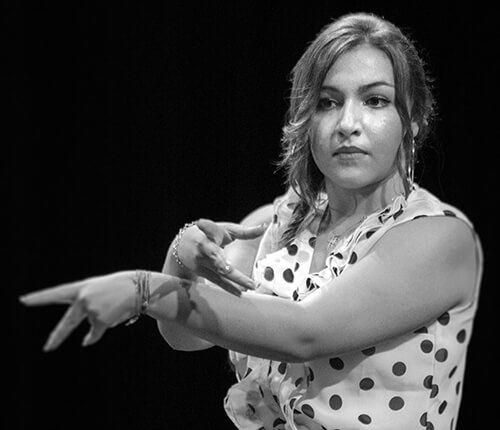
<point>127,121</point>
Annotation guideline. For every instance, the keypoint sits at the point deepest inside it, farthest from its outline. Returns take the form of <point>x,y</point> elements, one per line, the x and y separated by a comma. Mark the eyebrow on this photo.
<point>362,88</point>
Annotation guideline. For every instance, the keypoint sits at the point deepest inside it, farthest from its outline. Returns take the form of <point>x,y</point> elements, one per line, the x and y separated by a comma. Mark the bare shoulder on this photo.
<point>451,236</point>
<point>441,245</point>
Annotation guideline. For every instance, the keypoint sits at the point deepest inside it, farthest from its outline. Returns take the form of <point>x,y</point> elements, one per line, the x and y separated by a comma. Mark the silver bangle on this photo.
<point>177,241</point>
<point>141,281</point>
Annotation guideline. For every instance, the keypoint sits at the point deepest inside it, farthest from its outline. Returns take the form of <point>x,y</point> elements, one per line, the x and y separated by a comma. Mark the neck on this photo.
<point>357,203</point>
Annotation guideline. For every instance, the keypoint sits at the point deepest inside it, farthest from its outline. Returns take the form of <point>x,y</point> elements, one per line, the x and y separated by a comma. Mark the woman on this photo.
<point>355,307</point>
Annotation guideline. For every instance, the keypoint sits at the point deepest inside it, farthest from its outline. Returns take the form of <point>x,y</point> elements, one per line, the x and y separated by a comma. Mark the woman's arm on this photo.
<point>175,334</point>
<point>415,273</point>
<point>241,254</point>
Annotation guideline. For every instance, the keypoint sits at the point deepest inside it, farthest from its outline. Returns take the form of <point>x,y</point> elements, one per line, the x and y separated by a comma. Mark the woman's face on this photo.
<point>356,130</point>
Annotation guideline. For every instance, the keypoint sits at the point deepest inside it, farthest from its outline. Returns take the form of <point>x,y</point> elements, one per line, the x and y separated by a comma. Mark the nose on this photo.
<point>348,123</point>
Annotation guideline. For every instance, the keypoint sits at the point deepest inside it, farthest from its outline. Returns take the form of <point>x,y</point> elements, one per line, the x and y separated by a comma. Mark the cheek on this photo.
<point>387,135</point>
<point>321,150</point>
<point>320,137</point>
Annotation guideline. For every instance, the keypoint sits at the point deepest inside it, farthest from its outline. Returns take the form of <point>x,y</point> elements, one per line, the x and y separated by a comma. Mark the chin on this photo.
<point>353,181</point>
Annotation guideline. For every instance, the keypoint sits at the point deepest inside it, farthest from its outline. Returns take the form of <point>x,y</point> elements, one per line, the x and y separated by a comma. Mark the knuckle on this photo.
<point>214,258</point>
<point>225,269</point>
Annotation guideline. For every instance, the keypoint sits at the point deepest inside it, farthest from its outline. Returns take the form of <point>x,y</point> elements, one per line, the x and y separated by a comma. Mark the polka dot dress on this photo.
<point>413,381</point>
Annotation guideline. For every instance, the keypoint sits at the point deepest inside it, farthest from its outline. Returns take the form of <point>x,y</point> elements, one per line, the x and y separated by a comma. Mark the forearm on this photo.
<point>175,334</point>
<point>249,323</point>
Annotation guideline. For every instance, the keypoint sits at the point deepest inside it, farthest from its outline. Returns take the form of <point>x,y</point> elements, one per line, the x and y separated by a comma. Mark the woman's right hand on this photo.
<point>105,301</point>
<point>201,250</point>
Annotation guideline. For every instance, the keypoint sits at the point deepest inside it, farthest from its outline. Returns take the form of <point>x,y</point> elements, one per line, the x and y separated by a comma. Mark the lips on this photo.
<point>349,150</point>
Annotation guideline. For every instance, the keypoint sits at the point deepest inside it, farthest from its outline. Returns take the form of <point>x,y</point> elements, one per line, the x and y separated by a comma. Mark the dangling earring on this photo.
<point>410,166</point>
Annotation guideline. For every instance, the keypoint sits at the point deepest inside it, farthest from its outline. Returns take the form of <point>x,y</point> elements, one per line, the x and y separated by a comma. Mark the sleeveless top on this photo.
<point>413,381</point>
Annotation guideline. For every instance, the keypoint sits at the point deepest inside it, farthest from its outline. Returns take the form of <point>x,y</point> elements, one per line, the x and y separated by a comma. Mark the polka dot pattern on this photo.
<point>353,258</point>
<point>396,403</point>
<point>399,368</point>
<point>428,382</point>
<point>335,402</point>
<point>444,319</point>
<point>308,410</point>
<point>288,275</point>
<point>337,363</point>
<point>434,391</point>
<point>369,351</point>
<point>364,419</point>
<point>268,274</point>
<point>442,407</point>
<point>441,355</point>
<point>462,336</point>
<point>426,346</point>
<point>390,384</point>
<point>312,242</point>
<point>452,372</point>
<point>278,422</point>
<point>366,384</point>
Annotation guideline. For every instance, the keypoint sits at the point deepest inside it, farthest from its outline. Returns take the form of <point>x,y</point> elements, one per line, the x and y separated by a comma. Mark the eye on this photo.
<point>326,103</point>
<point>377,101</point>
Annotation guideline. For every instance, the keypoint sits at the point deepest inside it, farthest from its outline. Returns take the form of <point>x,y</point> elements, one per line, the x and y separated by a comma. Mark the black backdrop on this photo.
<point>129,120</point>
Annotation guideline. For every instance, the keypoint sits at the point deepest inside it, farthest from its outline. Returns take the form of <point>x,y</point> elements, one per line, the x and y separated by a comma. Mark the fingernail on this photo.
<point>251,284</point>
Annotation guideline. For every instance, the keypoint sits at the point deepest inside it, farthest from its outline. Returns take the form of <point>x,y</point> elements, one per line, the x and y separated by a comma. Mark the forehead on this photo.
<point>360,66</point>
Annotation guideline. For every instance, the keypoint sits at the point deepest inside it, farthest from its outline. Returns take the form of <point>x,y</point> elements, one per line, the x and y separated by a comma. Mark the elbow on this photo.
<point>304,351</point>
<point>297,352</point>
<point>179,340</point>
<point>303,344</point>
<point>309,341</point>
<point>171,341</point>
<point>187,348</point>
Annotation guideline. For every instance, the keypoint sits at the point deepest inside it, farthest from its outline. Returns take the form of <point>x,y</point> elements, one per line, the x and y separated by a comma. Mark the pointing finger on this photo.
<point>221,282</point>
<point>238,231</point>
<point>216,261</point>
<point>64,293</point>
<point>239,278</point>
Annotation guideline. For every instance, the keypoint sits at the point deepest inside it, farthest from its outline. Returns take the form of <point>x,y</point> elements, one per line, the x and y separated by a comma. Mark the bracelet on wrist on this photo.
<point>141,281</point>
<point>176,243</point>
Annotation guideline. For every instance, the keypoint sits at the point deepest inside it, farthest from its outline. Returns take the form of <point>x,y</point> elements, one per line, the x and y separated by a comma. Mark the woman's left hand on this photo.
<point>105,301</point>
<point>206,255</point>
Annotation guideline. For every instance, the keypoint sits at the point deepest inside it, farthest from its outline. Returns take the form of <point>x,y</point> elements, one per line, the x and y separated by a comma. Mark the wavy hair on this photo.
<point>414,103</point>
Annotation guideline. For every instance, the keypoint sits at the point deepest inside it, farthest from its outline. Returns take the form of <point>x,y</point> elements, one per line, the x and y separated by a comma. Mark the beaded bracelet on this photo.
<point>177,241</point>
<point>141,282</point>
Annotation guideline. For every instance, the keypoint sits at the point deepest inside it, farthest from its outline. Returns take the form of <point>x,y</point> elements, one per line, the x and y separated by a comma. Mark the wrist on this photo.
<point>141,280</point>
<point>178,262</point>
<point>165,295</point>
<point>176,243</point>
